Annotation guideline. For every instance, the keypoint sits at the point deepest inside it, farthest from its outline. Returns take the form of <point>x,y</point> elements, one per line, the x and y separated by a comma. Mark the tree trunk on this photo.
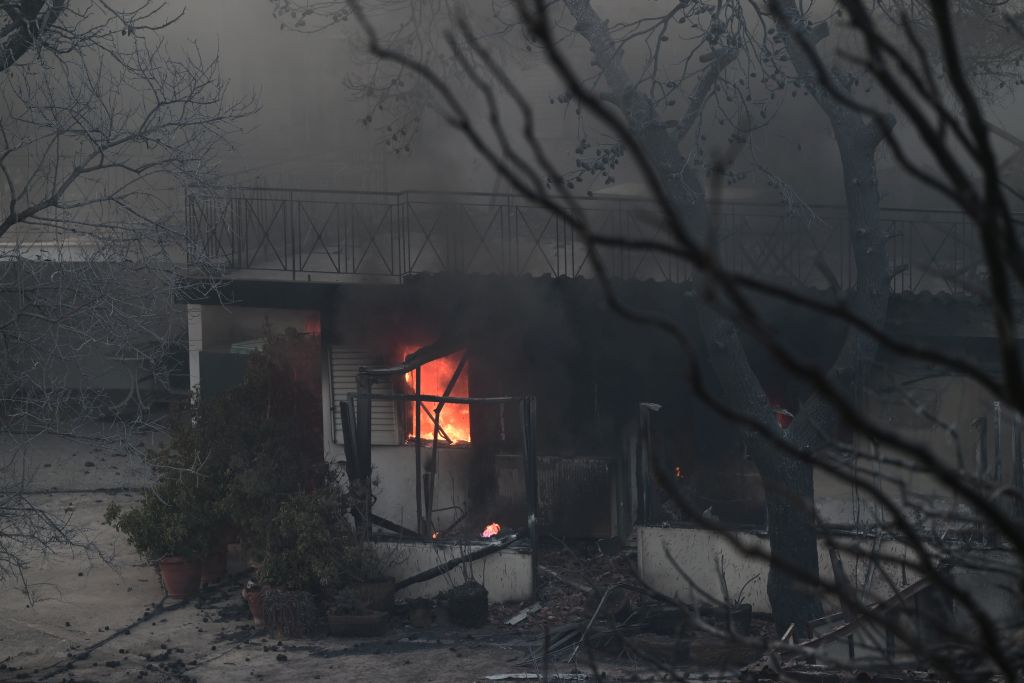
<point>793,535</point>
<point>788,480</point>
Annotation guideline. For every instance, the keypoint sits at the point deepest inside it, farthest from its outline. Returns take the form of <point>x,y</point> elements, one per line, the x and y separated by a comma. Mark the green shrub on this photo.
<point>264,439</point>
<point>251,458</point>
<point>311,546</point>
<point>176,517</point>
<point>257,444</point>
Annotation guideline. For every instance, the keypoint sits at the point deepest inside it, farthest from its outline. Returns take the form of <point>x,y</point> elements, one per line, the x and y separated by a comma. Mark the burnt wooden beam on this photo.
<point>364,398</point>
<point>431,474</point>
<point>466,400</point>
<point>446,567</point>
<point>348,432</point>
<point>586,590</point>
<point>528,415</point>
<point>437,427</point>
<point>421,524</point>
<point>391,526</point>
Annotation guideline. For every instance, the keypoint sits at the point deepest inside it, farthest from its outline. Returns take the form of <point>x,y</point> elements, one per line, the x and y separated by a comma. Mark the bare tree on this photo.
<point>102,127</point>
<point>660,99</point>
<point>933,73</point>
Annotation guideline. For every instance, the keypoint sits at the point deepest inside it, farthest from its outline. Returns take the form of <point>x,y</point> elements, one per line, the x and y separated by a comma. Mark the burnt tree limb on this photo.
<point>788,480</point>
<point>447,566</point>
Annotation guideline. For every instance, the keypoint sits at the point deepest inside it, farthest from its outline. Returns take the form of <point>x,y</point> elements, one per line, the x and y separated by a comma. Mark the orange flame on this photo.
<point>434,379</point>
<point>492,529</point>
<point>434,535</point>
<point>679,472</point>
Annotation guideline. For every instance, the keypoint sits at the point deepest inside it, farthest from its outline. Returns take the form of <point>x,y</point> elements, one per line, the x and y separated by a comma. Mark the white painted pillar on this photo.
<point>195,342</point>
<point>327,395</point>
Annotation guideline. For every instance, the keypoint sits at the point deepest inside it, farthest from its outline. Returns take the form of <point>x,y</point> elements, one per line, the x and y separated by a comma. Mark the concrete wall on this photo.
<point>394,484</point>
<point>683,563</point>
<point>507,575</point>
<point>114,324</point>
<point>941,413</point>
<point>698,553</point>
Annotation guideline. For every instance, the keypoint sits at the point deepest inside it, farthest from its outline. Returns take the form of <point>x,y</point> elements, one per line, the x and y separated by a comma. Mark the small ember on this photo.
<point>435,535</point>
<point>492,529</point>
<point>679,472</point>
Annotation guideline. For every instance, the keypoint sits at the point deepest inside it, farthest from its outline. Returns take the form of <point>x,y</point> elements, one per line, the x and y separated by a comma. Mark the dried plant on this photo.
<point>102,127</point>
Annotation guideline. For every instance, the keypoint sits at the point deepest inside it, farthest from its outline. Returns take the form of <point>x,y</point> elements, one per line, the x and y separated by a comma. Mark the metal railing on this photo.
<point>300,232</point>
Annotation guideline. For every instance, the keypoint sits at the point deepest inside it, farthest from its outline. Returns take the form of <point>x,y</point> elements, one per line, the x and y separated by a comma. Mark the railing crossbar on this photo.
<point>347,232</point>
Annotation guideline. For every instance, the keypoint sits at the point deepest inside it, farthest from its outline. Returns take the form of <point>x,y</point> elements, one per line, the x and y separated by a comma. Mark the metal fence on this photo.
<point>300,232</point>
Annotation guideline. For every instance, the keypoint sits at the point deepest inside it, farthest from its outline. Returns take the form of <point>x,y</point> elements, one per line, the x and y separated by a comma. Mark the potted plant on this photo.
<point>306,543</point>
<point>304,548</point>
<point>349,616</point>
<point>176,525</point>
<point>363,570</point>
<point>265,436</point>
<point>467,604</point>
<point>253,596</point>
<point>246,465</point>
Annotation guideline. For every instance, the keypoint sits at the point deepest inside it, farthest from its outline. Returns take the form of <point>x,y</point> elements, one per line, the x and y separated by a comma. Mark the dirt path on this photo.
<point>102,617</point>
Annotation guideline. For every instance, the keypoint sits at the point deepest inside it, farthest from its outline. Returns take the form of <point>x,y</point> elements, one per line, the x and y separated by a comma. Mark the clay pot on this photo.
<point>253,596</point>
<point>358,625</point>
<point>376,595</point>
<point>181,576</point>
<point>215,567</point>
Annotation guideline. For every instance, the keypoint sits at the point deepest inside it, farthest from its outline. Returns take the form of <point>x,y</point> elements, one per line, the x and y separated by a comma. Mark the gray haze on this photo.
<point>307,133</point>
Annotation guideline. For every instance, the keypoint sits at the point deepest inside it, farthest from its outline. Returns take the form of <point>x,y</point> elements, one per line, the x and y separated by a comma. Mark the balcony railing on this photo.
<point>301,232</point>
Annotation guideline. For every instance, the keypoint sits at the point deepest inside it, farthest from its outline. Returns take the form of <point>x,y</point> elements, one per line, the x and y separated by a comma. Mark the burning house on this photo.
<point>474,374</point>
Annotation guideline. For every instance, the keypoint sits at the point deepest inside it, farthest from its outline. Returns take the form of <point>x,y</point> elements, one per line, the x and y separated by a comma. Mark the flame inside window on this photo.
<point>434,379</point>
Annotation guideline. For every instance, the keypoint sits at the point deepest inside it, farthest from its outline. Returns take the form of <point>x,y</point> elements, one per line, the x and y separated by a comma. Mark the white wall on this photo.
<point>394,477</point>
<point>698,552</point>
<point>507,575</point>
<point>953,403</point>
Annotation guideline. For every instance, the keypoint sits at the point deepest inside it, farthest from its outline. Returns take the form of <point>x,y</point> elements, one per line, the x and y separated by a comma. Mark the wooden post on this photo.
<point>431,474</point>
<point>364,386</point>
<point>981,449</point>
<point>1018,464</point>
<point>420,524</point>
<point>997,451</point>
<point>528,415</point>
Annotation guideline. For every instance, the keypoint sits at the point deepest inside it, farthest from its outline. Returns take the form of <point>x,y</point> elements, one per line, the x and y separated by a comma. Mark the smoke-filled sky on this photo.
<point>308,134</point>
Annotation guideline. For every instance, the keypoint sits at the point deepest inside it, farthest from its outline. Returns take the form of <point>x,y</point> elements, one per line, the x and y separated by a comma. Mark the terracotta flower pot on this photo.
<point>253,596</point>
<point>181,576</point>
<point>215,567</point>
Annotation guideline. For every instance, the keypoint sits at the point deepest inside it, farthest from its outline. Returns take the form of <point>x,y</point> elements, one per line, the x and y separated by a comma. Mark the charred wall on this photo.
<point>590,369</point>
<point>557,340</point>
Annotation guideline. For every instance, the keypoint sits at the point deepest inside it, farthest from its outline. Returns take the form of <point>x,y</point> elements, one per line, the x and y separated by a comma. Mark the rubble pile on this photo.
<point>570,579</point>
<point>591,606</point>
